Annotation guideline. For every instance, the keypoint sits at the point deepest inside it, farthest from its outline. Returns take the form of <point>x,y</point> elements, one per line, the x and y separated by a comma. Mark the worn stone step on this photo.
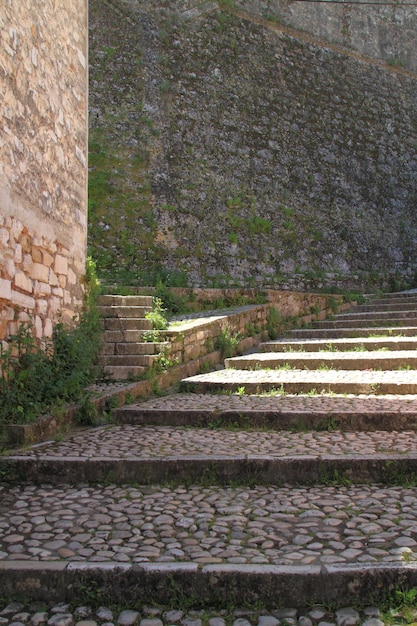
<point>124,336</point>
<point>124,372</point>
<point>132,323</point>
<point>304,381</point>
<point>342,344</point>
<point>353,332</point>
<point>132,348</point>
<point>129,360</point>
<point>349,360</point>
<point>115,300</point>
<point>123,311</point>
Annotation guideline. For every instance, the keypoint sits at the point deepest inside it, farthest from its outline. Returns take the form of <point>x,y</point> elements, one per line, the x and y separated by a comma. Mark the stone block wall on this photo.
<point>43,162</point>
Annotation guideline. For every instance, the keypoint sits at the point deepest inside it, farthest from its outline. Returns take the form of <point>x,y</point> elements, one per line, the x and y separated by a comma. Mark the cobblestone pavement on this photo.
<point>150,442</point>
<point>62,614</point>
<point>259,525</point>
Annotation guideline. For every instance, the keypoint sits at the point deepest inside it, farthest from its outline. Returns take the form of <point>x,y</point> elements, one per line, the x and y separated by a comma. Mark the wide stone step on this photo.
<point>372,315</point>
<point>353,360</point>
<point>115,300</point>
<point>399,296</point>
<point>276,412</point>
<point>133,323</point>
<point>303,545</point>
<point>335,332</point>
<point>123,311</point>
<point>304,381</point>
<point>402,305</point>
<point>368,322</point>
<point>342,344</point>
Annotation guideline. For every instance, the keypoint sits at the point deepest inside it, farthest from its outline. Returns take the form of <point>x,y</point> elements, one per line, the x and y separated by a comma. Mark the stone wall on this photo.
<point>379,30</point>
<point>43,162</point>
<point>273,158</point>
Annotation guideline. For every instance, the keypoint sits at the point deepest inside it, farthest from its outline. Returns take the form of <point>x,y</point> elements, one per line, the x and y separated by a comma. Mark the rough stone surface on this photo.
<point>274,156</point>
<point>43,154</point>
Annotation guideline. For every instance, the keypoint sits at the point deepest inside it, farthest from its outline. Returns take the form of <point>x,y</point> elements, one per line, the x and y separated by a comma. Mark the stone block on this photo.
<point>23,282</point>
<point>40,272</point>
<point>22,301</point>
<point>61,264</point>
<point>5,289</point>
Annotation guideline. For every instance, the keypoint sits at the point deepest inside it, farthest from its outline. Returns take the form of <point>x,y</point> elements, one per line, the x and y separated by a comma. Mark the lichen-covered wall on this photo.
<point>273,158</point>
<point>43,162</point>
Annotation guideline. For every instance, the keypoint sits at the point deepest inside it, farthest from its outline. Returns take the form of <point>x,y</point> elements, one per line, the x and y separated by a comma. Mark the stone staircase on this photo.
<point>287,478</point>
<point>125,354</point>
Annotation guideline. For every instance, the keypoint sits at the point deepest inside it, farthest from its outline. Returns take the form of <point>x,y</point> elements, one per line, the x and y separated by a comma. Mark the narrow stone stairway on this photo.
<point>286,478</point>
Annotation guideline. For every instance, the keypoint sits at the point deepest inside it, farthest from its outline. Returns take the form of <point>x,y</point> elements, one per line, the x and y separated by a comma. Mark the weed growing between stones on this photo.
<point>227,343</point>
<point>36,378</point>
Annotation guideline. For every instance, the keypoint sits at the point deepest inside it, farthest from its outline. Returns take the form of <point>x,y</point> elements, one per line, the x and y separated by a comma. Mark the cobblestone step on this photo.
<point>301,544</point>
<point>389,305</point>
<point>368,322</point>
<point>307,498</point>
<point>369,360</point>
<point>275,412</point>
<point>333,332</point>
<point>339,344</point>
<point>377,314</point>
<point>304,381</point>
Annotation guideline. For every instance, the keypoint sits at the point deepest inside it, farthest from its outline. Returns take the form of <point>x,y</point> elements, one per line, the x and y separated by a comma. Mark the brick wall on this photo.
<point>43,161</point>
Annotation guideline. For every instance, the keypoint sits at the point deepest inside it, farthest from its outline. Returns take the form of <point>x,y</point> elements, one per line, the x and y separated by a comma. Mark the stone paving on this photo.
<point>127,441</point>
<point>252,527</point>
<point>258,525</point>
<point>63,614</point>
<point>219,402</point>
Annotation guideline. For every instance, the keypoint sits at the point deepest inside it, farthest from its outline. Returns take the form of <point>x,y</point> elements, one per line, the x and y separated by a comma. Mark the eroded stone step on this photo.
<point>353,360</point>
<point>342,344</point>
<point>304,381</point>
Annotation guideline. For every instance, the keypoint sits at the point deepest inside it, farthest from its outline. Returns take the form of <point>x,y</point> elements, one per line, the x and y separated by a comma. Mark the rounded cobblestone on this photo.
<point>263,524</point>
<point>20,613</point>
